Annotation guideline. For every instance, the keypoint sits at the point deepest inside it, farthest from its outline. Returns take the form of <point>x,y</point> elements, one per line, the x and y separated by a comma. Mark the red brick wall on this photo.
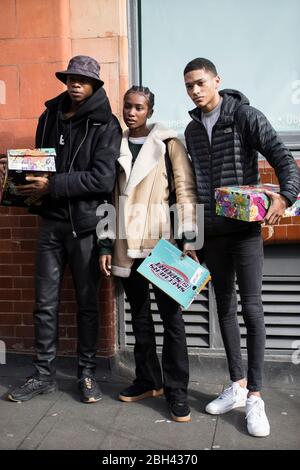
<point>288,230</point>
<point>34,43</point>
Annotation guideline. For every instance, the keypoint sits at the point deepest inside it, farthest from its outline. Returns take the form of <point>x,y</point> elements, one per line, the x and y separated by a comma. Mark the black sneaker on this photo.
<point>136,392</point>
<point>89,390</point>
<point>180,411</point>
<point>33,386</point>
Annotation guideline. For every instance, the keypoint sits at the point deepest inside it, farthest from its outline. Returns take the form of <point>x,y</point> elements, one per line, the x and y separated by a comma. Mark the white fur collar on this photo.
<point>147,159</point>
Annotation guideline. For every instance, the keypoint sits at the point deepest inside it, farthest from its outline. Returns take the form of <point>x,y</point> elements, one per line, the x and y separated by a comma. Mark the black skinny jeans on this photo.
<point>175,363</point>
<point>57,247</point>
<point>241,255</point>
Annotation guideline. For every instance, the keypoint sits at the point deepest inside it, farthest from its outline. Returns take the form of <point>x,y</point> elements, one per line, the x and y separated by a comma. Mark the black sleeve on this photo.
<point>40,130</point>
<point>101,176</point>
<point>261,136</point>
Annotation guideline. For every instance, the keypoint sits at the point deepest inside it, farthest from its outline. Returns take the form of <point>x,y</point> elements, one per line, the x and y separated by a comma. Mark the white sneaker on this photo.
<point>257,421</point>
<point>232,397</point>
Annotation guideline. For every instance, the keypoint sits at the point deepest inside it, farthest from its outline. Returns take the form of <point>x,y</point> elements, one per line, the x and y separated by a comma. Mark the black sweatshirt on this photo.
<point>87,147</point>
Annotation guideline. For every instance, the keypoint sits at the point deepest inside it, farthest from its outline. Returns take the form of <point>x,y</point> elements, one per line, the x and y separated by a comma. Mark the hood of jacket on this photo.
<point>96,108</point>
<point>152,150</point>
<point>232,100</point>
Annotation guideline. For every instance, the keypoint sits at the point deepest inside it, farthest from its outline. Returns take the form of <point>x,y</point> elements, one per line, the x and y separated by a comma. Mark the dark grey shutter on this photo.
<point>281,300</point>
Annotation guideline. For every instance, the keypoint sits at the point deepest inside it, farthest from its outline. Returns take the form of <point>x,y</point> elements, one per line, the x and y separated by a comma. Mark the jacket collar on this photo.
<point>232,100</point>
<point>224,118</point>
<point>151,152</point>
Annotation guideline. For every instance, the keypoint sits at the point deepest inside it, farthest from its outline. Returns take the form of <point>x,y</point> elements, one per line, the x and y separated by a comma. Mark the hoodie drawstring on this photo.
<point>70,168</point>
<point>44,130</point>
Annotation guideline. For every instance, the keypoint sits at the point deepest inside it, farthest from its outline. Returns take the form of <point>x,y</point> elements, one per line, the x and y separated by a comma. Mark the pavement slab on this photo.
<point>59,421</point>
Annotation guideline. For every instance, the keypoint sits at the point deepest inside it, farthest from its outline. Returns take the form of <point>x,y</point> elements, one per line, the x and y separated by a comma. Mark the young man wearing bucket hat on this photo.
<point>86,135</point>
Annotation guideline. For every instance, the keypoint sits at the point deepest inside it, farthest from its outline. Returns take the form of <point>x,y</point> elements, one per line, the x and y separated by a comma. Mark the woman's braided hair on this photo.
<point>142,90</point>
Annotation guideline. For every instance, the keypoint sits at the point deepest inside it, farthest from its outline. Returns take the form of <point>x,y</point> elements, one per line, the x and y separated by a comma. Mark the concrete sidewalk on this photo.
<point>59,421</point>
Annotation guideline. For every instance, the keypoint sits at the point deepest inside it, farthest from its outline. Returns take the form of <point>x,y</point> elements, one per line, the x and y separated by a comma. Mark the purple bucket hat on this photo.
<point>81,65</point>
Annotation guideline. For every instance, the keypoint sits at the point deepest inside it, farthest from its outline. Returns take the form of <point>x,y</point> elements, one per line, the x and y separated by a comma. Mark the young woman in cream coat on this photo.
<point>142,197</point>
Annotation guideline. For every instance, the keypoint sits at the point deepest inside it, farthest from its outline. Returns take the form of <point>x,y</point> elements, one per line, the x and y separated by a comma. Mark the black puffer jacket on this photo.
<point>86,164</point>
<point>232,157</point>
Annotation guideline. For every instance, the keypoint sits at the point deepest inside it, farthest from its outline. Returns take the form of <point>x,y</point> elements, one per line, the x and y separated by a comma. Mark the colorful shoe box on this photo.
<point>22,163</point>
<point>294,209</point>
<point>248,203</point>
<point>180,277</point>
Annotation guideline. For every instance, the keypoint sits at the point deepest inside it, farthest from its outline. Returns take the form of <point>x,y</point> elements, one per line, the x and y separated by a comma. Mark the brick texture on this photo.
<point>288,230</point>
<point>35,41</point>
<point>8,19</point>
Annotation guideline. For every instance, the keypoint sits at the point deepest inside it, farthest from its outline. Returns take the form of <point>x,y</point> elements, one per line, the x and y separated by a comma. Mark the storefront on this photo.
<point>254,46</point>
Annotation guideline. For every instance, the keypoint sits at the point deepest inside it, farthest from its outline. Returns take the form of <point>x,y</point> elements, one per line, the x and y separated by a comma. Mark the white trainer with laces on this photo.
<point>232,397</point>
<point>257,421</point>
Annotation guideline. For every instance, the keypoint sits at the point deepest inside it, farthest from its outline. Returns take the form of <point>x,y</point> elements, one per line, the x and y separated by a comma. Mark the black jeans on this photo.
<point>175,363</point>
<point>57,247</point>
<point>241,255</point>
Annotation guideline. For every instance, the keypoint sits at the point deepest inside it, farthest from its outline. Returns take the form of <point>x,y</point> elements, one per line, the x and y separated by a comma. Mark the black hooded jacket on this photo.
<point>232,157</point>
<point>85,163</point>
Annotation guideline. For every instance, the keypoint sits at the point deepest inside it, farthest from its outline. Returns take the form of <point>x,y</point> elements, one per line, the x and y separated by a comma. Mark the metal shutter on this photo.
<point>281,300</point>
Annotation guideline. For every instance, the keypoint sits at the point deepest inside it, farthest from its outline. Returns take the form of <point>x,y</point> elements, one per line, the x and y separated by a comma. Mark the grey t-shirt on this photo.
<point>210,119</point>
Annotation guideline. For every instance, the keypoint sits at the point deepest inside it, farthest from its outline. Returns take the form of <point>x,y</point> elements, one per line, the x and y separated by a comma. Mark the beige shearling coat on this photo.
<point>142,197</point>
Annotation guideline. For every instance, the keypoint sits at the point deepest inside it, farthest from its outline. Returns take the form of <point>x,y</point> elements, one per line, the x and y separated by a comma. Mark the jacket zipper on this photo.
<point>44,130</point>
<point>70,168</point>
<point>212,190</point>
<point>212,193</point>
